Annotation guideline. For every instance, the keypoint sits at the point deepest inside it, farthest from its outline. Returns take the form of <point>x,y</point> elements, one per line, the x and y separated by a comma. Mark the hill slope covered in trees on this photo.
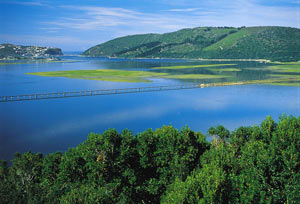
<point>258,164</point>
<point>272,43</point>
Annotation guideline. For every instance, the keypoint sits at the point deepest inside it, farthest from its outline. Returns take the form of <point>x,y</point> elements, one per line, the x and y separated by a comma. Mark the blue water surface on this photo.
<point>57,124</point>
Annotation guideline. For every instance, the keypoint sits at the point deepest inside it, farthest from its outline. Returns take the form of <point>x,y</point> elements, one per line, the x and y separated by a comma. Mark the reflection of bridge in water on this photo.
<point>106,92</point>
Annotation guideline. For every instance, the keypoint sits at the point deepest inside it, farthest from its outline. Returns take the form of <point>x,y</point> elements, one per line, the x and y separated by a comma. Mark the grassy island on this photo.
<point>286,74</point>
<point>194,66</point>
<point>121,75</point>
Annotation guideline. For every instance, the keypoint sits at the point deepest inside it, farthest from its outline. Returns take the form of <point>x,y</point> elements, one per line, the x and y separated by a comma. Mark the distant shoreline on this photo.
<point>196,59</point>
<point>157,58</point>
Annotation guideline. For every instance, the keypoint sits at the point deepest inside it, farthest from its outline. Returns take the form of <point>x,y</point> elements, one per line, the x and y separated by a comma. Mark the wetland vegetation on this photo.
<point>194,66</point>
<point>121,75</point>
<point>286,68</point>
<point>211,73</point>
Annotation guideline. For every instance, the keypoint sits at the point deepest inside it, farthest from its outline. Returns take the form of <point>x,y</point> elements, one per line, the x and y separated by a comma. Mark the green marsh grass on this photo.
<point>103,75</point>
<point>121,75</point>
<point>226,70</point>
<point>278,77</point>
<point>286,63</point>
<point>286,68</point>
<point>195,76</point>
<point>193,66</point>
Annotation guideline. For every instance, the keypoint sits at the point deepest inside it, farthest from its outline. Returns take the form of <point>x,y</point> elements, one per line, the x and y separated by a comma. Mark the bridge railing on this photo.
<point>96,92</point>
<point>120,91</point>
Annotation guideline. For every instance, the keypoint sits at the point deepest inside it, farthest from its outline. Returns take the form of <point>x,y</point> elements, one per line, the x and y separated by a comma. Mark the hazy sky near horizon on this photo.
<point>76,25</point>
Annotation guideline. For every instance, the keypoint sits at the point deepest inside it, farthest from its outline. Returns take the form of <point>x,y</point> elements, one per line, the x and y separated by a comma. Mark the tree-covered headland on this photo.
<point>258,164</point>
<point>17,52</point>
<point>265,42</point>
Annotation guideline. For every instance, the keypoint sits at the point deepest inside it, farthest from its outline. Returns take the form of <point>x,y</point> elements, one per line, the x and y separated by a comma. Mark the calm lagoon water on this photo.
<point>58,124</point>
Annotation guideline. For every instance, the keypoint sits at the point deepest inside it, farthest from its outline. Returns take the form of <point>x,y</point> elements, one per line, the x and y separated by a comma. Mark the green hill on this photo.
<point>10,51</point>
<point>273,43</point>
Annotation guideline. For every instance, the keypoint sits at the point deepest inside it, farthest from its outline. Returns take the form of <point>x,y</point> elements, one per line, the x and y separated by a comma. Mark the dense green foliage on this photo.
<point>257,164</point>
<point>273,43</point>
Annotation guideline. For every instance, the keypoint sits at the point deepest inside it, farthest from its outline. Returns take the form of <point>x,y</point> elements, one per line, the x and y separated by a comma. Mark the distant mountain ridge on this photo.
<point>266,42</point>
<point>10,51</point>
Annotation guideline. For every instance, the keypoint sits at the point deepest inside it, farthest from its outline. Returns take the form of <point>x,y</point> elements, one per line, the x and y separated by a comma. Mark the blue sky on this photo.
<point>75,25</point>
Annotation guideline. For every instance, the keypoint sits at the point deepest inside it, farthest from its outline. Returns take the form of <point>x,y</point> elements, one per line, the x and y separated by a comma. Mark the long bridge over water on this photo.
<point>39,96</point>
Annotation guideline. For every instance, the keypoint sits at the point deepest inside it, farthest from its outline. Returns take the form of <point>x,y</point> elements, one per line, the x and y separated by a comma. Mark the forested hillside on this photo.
<point>272,43</point>
<point>258,164</point>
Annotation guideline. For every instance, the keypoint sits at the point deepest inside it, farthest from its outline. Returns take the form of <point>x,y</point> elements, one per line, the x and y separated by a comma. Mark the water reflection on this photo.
<point>47,126</point>
<point>55,125</point>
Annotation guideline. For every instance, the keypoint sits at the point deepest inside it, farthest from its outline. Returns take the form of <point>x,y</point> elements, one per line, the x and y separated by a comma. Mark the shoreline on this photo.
<point>160,58</point>
<point>196,59</point>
